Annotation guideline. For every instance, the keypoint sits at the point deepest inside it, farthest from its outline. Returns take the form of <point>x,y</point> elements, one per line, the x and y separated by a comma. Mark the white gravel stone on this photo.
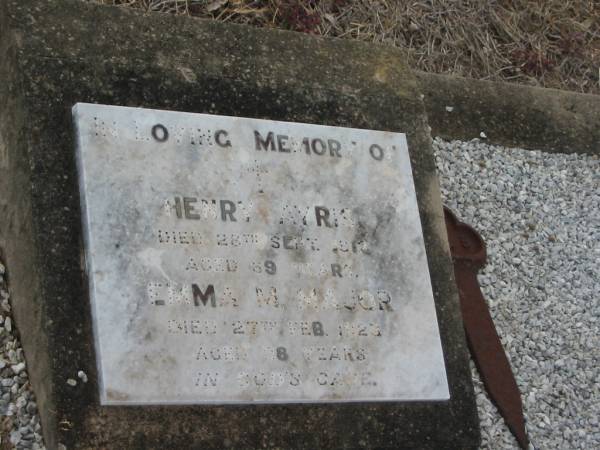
<point>82,376</point>
<point>539,215</point>
<point>18,368</point>
<point>15,437</point>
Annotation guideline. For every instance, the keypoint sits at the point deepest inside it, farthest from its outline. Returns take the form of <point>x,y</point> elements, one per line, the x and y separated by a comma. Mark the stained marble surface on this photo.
<point>236,260</point>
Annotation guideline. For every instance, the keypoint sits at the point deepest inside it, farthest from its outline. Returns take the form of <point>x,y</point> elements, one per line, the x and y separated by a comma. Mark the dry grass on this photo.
<point>552,43</point>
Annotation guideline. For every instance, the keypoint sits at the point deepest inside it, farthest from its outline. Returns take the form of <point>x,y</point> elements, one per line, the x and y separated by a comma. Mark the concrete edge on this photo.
<point>511,115</point>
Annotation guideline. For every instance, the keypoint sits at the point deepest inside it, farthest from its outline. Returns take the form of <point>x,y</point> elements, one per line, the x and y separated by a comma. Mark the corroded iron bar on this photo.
<point>469,255</point>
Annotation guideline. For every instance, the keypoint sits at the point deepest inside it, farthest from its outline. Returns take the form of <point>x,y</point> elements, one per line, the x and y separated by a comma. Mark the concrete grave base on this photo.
<point>54,54</point>
<point>511,115</point>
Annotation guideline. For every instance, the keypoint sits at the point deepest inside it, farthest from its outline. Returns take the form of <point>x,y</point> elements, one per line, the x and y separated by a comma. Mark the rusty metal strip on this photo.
<point>469,255</point>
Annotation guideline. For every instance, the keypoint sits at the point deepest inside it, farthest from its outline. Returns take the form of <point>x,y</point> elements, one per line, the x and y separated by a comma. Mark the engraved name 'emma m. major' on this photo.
<point>237,260</point>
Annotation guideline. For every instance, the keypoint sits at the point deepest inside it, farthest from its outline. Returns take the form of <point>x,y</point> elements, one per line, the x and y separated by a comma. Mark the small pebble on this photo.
<point>82,376</point>
<point>15,437</point>
<point>31,408</point>
<point>18,368</point>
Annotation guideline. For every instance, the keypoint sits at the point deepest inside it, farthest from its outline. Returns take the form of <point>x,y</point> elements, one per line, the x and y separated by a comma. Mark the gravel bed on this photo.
<point>539,214</point>
<point>18,410</point>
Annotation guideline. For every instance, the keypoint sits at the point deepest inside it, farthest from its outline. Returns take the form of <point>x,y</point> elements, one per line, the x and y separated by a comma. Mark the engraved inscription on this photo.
<point>237,260</point>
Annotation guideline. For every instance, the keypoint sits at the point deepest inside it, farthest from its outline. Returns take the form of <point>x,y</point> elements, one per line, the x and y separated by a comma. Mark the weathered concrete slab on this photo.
<point>49,61</point>
<point>510,114</point>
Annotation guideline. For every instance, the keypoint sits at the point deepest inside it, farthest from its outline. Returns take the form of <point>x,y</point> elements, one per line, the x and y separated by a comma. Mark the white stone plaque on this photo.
<point>235,260</point>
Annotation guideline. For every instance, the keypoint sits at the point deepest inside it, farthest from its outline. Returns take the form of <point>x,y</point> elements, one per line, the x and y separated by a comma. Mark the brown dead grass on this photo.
<point>553,43</point>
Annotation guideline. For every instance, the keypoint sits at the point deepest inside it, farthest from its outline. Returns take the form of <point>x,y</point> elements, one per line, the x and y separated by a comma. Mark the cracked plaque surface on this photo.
<point>235,260</point>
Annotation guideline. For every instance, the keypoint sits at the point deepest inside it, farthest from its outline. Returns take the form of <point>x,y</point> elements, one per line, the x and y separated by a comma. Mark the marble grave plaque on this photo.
<point>235,260</point>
